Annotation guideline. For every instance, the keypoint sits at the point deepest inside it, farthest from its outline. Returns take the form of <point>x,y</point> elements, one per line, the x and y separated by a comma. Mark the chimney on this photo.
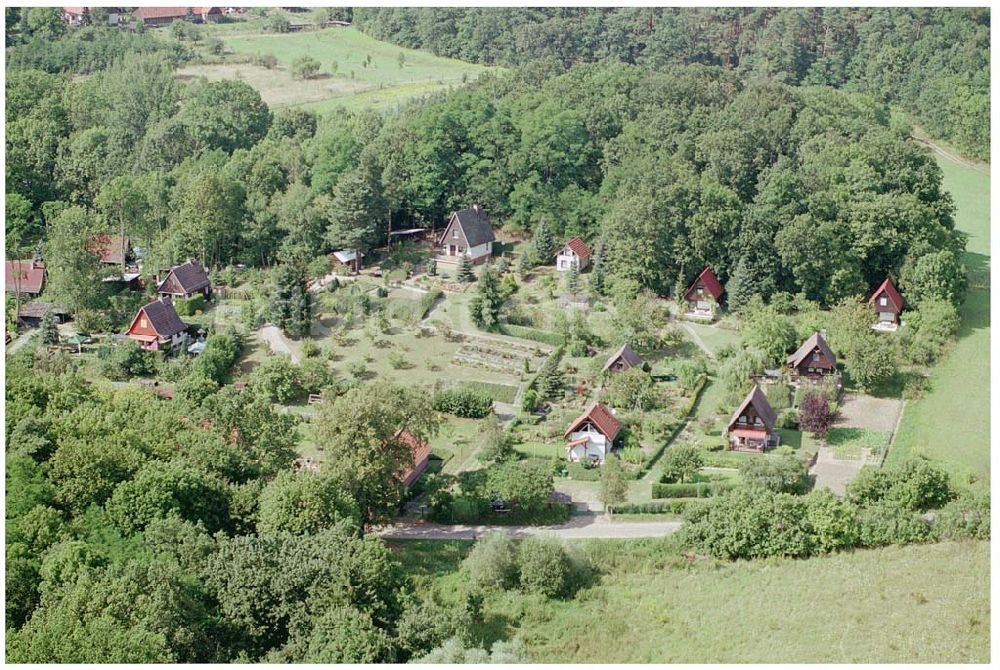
<point>476,209</point>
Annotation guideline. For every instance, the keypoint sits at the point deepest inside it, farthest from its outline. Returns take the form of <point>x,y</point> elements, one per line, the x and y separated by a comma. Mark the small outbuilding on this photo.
<point>575,253</point>
<point>421,452</point>
<point>31,313</point>
<point>622,360</point>
<point>346,260</point>
<point>752,426</point>
<point>887,304</point>
<point>592,434</point>
<point>113,249</point>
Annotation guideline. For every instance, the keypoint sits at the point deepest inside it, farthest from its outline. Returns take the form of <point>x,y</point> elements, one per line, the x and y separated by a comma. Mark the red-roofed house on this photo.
<point>158,16</point>
<point>887,304</point>
<point>77,16</point>
<point>704,294</point>
<point>592,434</point>
<point>24,277</point>
<point>751,427</point>
<point>421,457</point>
<point>576,252</point>
<point>157,326</point>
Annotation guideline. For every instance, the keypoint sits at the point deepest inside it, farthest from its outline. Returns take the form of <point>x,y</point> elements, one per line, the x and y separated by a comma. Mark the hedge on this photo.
<point>190,306</point>
<point>662,507</point>
<point>697,490</point>
<point>427,301</point>
<point>533,334</point>
<point>463,402</point>
<point>499,392</point>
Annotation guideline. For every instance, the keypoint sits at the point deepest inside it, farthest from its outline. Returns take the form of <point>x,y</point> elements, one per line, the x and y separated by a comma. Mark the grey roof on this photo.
<point>759,401</point>
<point>626,353</point>
<point>36,309</point>
<point>163,318</point>
<point>476,225</point>
<point>191,276</point>
<point>815,340</point>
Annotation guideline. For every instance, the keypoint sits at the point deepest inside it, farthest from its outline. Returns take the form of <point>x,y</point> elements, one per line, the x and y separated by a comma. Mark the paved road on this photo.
<point>579,527</point>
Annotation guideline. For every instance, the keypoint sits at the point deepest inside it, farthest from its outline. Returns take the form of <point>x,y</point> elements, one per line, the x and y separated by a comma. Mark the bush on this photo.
<point>277,379</point>
<point>779,396</point>
<point>815,414</point>
<point>833,521</point>
<point>533,334</point>
<point>492,563</point>
<point>190,306</point>
<point>788,419</point>
<point>544,567</point>
<point>662,507</point>
<point>968,516</point>
<point>128,360</point>
<point>888,523</point>
<point>524,485</point>
<point>219,356</point>
<point>784,474</point>
<point>915,484</point>
<point>463,402</point>
<point>681,463</point>
<point>697,490</point>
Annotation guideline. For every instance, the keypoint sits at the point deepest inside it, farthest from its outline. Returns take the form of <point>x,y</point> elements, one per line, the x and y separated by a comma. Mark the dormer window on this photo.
<point>701,291</point>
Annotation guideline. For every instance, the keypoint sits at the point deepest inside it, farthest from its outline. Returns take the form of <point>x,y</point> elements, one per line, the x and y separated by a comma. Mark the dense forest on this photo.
<point>933,62</point>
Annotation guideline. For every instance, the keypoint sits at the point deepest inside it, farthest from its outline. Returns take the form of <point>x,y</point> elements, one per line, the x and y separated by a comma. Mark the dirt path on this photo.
<point>921,136</point>
<point>279,344</point>
<point>21,340</point>
<point>697,339</point>
<point>579,527</point>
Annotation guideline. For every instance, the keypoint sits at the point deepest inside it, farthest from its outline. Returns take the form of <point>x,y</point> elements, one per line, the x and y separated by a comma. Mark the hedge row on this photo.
<point>663,507</point>
<point>463,402</point>
<point>427,301</point>
<point>533,334</point>
<point>697,490</point>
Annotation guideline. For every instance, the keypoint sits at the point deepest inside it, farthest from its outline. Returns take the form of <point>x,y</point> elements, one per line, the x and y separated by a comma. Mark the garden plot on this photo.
<point>497,356</point>
<point>869,413</point>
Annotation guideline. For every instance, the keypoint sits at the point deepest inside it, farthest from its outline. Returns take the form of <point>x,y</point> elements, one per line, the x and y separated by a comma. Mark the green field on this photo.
<point>381,84</point>
<point>950,424</point>
<point>652,606</point>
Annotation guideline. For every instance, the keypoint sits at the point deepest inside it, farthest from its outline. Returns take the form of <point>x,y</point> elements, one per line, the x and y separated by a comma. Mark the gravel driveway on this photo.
<point>277,341</point>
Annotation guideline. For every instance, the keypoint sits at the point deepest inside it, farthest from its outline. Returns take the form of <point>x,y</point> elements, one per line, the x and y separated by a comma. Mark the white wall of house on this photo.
<point>481,250</point>
<point>451,247</point>
<point>564,261</point>
<point>594,447</point>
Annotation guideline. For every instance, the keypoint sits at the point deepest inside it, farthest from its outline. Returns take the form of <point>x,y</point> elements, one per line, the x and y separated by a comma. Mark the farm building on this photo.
<point>113,249</point>
<point>887,304</point>
<point>25,277</point>
<point>77,16</point>
<point>421,457</point>
<point>576,252</point>
<point>31,313</point>
<point>703,294</point>
<point>813,360</point>
<point>185,281</point>
<point>348,260</point>
<point>160,16</point>
<point>468,233</point>
<point>752,426</point>
<point>157,326</point>
<point>622,360</point>
<point>592,434</point>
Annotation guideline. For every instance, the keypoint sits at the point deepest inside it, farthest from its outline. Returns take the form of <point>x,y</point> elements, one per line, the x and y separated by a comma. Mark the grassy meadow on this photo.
<point>356,71</point>
<point>652,606</point>
<point>951,422</point>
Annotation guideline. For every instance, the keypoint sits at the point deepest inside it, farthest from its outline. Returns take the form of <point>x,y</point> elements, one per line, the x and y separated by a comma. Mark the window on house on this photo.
<point>742,419</point>
<point>815,356</point>
<point>883,302</point>
<point>701,291</point>
<point>454,233</point>
<point>810,369</point>
<point>757,421</point>
<point>143,323</point>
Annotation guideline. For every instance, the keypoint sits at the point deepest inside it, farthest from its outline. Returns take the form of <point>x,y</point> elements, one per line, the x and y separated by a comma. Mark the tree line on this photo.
<point>933,62</point>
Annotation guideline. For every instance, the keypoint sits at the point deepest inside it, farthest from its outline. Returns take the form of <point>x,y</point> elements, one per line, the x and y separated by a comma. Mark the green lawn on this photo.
<point>654,607</point>
<point>950,424</point>
<point>382,83</point>
<point>715,337</point>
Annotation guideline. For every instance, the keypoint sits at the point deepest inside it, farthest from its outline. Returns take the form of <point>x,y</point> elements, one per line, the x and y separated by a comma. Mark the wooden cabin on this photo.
<point>157,326</point>
<point>622,360</point>
<point>752,426</point>
<point>705,292</point>
<point>347,261</point>
<point>25,277</point>
<point>887,304</point>
<point>813,360</point>
<point>468,233</point>
<point>421,452</point>
<point>185,281</point>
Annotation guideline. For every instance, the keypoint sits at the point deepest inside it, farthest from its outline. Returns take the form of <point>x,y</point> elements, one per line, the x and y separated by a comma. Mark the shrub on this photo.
<point>276,378</point>
<point>915,484</point>
<point>544,567</point>
<point>525,485</point>
<point>463,402</point>
<point>190,306</point>
<point>779,396</point>
<point>128,360</point>
<point>681,463</point>
<point>492,563</point>
<point>305,67</point>
<point>656,507</point>
<point>788,419</point>
<point>698,490</point>
<point>784,474</point>
<point>888,523</point>
<point>967,516</point>
<point>815,414</point>
<point>219,356</point>
<point>194,387</point>
<point>833,521</point>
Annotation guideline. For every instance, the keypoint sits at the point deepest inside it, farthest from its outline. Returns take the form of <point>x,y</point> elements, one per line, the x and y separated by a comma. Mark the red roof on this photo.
<point>710,282</point>
<point>421,452</point>
<point>579,247</point>
<point>891,291</point>
<point>111,248</point>
<point>602,418</point>
<point>24,276</point>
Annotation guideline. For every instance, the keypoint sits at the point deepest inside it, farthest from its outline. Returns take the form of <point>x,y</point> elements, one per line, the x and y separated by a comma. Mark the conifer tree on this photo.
<point>573,280</point>
<point>48,333</point>
<point>465,273</point>
<point>543,244</point>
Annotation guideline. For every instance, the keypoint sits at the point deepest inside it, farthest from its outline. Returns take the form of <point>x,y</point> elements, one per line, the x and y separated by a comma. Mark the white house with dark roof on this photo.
<point>468,233</point>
